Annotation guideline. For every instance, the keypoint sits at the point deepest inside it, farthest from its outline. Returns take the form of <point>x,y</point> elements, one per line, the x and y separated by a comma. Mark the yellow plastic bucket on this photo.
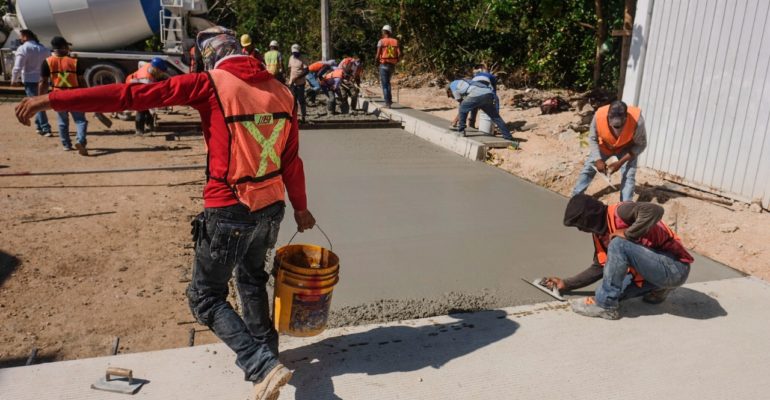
<point>304,284</point>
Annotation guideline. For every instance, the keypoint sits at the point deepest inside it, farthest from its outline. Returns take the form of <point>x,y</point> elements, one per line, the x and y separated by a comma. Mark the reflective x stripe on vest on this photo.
<point>258,118</point>
<point>63,72</point>
<point>389,51</point>
<point>608,143</point>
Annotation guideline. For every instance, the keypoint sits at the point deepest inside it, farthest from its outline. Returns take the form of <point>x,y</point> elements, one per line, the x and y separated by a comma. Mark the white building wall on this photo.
<point>699,69</point>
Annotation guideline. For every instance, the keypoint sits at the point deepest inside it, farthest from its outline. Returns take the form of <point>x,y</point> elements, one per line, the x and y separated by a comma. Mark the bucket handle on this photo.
<point>331,246</point>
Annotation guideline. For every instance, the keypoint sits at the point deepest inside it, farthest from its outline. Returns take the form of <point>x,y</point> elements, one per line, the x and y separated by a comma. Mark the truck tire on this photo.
<point>104,73</point>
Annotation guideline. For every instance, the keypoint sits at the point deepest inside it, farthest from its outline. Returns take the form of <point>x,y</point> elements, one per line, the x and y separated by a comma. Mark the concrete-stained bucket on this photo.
<point>304,283</point>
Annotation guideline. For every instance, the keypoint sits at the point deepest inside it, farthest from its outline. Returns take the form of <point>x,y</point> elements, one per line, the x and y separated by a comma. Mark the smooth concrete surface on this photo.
<point>708,341</point>
<point>410,220</point>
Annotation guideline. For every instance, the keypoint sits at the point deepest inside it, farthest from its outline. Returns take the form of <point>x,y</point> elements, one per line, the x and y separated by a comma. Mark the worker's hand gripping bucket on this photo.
<point>304,282</point>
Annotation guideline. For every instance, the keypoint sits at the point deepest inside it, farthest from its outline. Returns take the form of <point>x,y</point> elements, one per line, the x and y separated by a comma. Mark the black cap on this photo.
<point>59,42</point>
<point>616,116</point>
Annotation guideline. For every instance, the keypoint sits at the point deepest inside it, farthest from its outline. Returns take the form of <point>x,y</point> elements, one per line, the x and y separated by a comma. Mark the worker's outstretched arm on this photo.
<point>186,89</point>
<point>581,280</point>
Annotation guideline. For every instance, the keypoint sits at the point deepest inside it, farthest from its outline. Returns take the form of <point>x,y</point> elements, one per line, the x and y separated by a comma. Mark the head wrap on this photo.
<point>215,44</point>
<point>587,214</point>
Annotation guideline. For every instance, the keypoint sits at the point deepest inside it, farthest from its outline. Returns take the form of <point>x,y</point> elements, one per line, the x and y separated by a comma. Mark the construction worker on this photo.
<point>28,60</point>
<point>315,73</point>
<point>239,103</point>
<point>616,131</point>
<point>274,61</point>
<point>148,72</point>
<point>353,70</point>
<point>476,94</point>
<point>298,69</point>
<point>481,73</point>
<point>636,254</point>
<point>332,84</point>
<point>65,74</point>
<point>249,49</point>
<point>388,55</point>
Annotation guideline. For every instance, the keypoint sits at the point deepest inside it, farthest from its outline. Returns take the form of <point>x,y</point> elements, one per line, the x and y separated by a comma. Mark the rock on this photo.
<point>568,135</point>
<point>755,207</point>
<point>727,227</point>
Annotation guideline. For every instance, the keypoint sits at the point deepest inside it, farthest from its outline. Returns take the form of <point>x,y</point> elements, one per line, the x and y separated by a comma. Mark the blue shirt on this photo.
<point>30,57</point>
<point>462,88</point>
<point>490,77</point>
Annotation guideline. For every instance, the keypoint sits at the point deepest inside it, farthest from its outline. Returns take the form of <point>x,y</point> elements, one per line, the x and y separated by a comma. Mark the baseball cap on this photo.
<point>295,48</point>
<point>59,42</point>
<point>274,43</point>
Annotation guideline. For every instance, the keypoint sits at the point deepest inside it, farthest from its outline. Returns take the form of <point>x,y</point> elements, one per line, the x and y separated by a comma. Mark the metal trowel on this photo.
<point>540,284</point>
<point>126,383</point>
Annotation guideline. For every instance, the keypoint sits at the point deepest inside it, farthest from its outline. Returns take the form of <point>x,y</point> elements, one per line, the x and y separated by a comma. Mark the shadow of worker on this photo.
<point>389,349</point>
<point>8,265</point>
<point>682,302</point>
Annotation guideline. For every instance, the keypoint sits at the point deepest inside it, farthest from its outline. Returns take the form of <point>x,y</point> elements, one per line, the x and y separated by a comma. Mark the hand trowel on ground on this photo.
<point>126,384</point>
<point>540,284</point>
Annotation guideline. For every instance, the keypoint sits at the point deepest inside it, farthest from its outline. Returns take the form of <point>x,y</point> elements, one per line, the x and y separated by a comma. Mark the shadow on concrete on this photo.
<point>22,361</point>
<point>390,349</point>
<point>682,302</point>
<point>8,264</point>
<point>104,152</point>
<point>437,109</point>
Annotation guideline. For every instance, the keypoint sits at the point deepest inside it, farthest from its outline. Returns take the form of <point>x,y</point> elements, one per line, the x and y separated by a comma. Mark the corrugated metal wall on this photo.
<point>699,71</point>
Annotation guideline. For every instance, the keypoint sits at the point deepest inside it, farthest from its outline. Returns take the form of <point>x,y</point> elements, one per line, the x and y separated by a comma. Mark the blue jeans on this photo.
<point>64,127</point>
<point>41,119</point>
<point>475,112</point>
<point>627,180</point>
<point>386,71</point>
<point>486,103</point>
<point>659,270</point>
<point>232,239</point>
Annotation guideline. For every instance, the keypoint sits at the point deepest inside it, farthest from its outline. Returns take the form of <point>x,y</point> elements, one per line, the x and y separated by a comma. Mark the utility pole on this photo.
<point>326,51</point>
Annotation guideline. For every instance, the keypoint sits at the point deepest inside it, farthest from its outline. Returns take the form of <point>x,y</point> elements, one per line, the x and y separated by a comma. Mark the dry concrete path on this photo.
<point>708,341</point>
<point>411,220</point>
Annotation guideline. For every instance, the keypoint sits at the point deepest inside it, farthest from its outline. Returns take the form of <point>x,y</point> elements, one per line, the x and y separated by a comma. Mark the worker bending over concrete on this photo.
<point>252,139</point>
<point>334,85</point>
<point>636,254</point>
<point>354,69</point>
<point>297,72</point>
<point>316,72</point>
<point>65,74</point>
<point>616,130</point>
<point>148,72</point>
<point>476,94</point>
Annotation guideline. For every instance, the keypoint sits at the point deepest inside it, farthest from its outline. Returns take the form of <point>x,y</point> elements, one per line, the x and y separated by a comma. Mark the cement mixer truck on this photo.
<point>99,29</point>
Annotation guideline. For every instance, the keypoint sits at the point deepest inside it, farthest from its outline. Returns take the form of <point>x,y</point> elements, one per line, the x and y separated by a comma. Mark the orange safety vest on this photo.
<point>140,74</point>
<point>64,72</point>
<point>316,66</point>
<point>389,52</point>
<point>608,143</point>
<point>338,73</point>
<point>258,121</point>
<point>614,223</point>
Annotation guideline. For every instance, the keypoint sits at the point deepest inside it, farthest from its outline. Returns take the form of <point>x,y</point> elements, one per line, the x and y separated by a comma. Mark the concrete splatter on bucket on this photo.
<point>304,284</point>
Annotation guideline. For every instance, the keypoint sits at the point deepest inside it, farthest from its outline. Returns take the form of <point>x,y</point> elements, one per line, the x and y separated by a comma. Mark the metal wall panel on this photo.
<point>701,78</point>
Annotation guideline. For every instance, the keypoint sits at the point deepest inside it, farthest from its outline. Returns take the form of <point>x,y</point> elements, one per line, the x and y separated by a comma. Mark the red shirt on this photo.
<point>195,90</point>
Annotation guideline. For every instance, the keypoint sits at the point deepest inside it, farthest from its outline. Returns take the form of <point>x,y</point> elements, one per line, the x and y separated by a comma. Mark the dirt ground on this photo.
<point>552,155</point>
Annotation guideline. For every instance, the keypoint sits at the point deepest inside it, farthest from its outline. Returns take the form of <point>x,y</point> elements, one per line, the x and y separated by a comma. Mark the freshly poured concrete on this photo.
<point>410,220</point>
<point>708,341</point>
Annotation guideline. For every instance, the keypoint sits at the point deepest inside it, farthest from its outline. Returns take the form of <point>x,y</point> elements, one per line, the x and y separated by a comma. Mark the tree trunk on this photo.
<point>601,36</point>
<point>628,25</point>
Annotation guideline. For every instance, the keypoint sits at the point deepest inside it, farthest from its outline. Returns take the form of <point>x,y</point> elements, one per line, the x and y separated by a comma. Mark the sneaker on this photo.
<point>81,149</point>
<point>47,134</point>
<point>460,133</point>
<point>67,148</point>
<point>39,131</point>
<point>656,296</point>
<point>270,387</point>
<point>138,133</point>
<point>587,306</point>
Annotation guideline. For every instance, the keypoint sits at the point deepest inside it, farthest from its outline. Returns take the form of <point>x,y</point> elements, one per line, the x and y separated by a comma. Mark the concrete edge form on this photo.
<point>438,135</point>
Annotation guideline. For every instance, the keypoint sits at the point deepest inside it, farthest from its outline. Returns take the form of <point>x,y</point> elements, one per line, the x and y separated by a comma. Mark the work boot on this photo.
<point>81,149</point>
<point>587,306</point>
<point>656,296</point>
<point>270,387</point>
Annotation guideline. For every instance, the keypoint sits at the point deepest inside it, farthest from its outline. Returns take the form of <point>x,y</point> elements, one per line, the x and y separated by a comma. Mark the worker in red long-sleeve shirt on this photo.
<point>250,127</point>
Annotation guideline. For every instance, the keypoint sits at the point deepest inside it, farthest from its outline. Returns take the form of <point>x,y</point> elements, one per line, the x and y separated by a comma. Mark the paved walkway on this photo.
<point>708,341</point>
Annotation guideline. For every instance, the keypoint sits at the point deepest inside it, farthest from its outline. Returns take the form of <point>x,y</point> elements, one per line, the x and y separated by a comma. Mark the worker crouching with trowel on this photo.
<point>252,136</point>
<point>636,254</point>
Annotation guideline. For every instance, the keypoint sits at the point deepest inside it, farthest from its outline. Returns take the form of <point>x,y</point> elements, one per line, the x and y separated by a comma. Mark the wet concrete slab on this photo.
<point>410,220</point>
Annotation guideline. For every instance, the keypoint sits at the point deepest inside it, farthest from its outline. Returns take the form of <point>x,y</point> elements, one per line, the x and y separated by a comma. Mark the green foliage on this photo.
<point>546,43</point>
